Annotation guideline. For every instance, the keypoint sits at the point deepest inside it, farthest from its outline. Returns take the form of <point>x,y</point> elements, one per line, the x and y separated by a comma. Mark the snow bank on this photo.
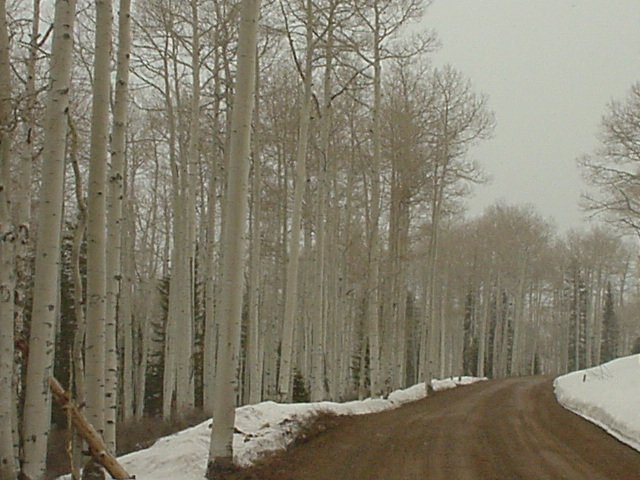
<point>262,428</point>
<point>607,395</point>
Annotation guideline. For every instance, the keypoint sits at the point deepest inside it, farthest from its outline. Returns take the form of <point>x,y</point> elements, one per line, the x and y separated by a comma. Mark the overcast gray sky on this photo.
<point>549,68</point>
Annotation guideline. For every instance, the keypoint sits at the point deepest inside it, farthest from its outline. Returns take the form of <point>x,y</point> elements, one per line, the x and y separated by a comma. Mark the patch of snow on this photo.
<point>607,395</point>
<point>261,429</point>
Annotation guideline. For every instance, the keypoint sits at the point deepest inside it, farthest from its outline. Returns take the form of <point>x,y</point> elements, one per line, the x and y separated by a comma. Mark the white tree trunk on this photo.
<point>115,221</point>
<point>45,293</point>
<point>255,340</point>
<point>146,300</point>
<point>78,290</point>
<point>221,448</point>
<point>373,292</point>
<point>210,326</point>
<point>598,315</point>
<point>96,222</point>
<point>185,399</point>
<point>175,283</point>
<point>400,298</point>
<point>340,357</point>
<point>22,198</point>
<point>430,342</point>
<point>8,462</point>
<point>8,234</point>
<point>126,329</point>
<point>518,354</point>
<point>482,335</point>
<point>291,299</point>
<point>319,328</point>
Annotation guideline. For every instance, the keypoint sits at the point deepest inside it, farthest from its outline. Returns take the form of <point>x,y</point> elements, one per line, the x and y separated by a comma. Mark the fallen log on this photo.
<point>97,448</point>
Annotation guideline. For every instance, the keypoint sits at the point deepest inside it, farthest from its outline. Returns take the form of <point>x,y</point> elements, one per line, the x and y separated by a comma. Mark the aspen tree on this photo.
<point>404,111</point>
<point>459,119</point>
<point>221,448</point>
<point>439,176</point>
<point>146,296</point>
<point>226,16</point>
<point>127,331</point>
<point>22,206</point>
<point>319,326</point>
<point>115,221</point>
<point>331,348</point>
<point>373,302</point>
<point>23,192</point>
<point>278,330</point>
<point>96,221</point>
<point>177,280</point>
<point>185,400</point>
<point>382,19</point>
<point>78,288</point>
<point>339,374</point>
<point>292,272</point>
<point>8,234</point>
<point>255,340</point>
<point>210,326</point>
<point>45,300</point>
<point>517,349</point>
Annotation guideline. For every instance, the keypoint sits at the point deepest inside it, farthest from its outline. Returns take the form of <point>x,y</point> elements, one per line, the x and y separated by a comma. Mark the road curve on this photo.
<point>510,429</point>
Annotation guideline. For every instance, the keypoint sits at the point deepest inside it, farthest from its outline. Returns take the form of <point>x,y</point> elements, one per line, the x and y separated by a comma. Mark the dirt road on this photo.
<point>508,429</point>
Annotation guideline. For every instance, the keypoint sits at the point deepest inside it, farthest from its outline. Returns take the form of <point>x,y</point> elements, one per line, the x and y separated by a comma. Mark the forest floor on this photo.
<point>505,429</point>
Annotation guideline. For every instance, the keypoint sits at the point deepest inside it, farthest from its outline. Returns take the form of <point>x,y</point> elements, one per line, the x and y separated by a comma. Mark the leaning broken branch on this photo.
<point>97,447</point>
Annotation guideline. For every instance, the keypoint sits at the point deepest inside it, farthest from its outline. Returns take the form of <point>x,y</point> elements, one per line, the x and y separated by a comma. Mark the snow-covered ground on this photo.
<point>607,395</point>
<point>262,428</point>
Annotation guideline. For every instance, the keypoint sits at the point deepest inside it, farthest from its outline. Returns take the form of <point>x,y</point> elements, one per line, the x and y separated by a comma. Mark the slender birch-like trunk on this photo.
<point>279,330</point>
<point>373,301</point>
<point>518,347</point>
<point>178,317</point>
<point>78,290</point>
<point>484,319</point>
<point>8,234</point>
<point>498,329</point>
<point>221,448</point>
<point>185,240</point>
<point>534,319</point>
<point>169,378</point>
<point>22,208</point>
<point>126,330</point>
<point>115,221</point>
<point>342,344</point>
<point>430,342</point>
<point>578,317</point>
<point>291,299</point>
<point>446,332</point>
<point>146,294</point>
<point>22,199</point>
<point>598,316</point>
<point>589,317</point>
<point>45,292</point>
<point>96,223</point>
<point>210,326</point>
<point>319,326</point>
<point>400,297</point>
<point>255,341</point>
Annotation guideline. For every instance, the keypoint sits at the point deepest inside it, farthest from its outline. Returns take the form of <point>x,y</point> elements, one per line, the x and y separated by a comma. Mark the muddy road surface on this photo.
<point>506,429</point>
